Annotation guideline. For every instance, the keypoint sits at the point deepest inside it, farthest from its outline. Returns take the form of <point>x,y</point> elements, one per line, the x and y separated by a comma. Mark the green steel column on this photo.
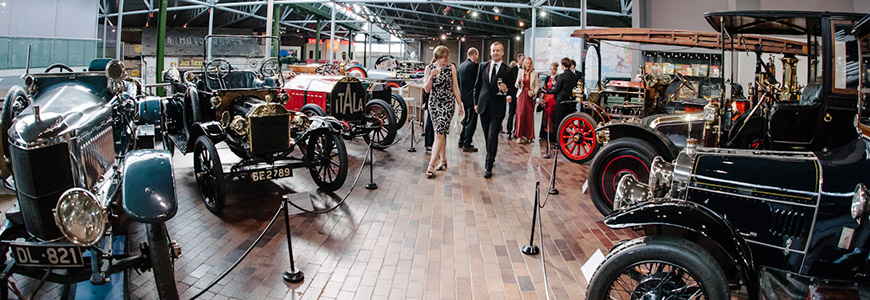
<point>317,43</point>
<point>161,44</point>
<point>349,44</point>
<point>276,31</point>
<point>365,53</point>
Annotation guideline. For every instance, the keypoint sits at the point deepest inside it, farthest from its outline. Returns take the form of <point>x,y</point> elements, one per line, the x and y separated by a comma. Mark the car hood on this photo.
<point>64,110</point>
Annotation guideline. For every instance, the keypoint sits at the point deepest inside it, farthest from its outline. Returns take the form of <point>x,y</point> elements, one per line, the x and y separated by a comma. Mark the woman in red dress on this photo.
<point>527,86</point>
<point>549,103</point>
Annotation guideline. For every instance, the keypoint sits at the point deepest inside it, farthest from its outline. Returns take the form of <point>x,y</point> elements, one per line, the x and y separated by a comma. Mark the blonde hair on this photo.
<point>554,65</point>
<point>471,51</point>
<point>532,65</point>
<point>441,52</point>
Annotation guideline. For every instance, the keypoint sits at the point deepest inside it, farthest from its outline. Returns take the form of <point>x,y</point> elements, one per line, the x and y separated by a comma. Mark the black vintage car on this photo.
<point>779,114</point>
<point>74,140</point>
<point>783,224</point>
<point>245,109</point>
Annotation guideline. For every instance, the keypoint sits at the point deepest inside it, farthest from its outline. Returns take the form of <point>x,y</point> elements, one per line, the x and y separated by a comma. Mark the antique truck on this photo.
<point>789,223</point>
<point>74,148</point>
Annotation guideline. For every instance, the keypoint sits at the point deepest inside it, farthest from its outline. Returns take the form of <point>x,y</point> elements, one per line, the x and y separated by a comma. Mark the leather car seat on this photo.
<point>796,123</point>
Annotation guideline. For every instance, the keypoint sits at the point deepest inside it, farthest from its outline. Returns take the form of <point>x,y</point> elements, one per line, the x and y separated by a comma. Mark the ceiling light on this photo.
<point>443,37</point>
<point>458,27</point>
<point>441,27</point>
<point>543,13</point>
<point>517,38</point>
<point>495,9</point>
<point>462,39</point>
<point>522,23</point>
<point>474,14</point>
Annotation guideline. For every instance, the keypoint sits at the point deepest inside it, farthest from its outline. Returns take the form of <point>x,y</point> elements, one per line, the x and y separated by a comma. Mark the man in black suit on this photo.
<point>467,77</point>
<point>512,105</point>
<point>565,84</point>
<point>490,98</point>
<point>574,69</point>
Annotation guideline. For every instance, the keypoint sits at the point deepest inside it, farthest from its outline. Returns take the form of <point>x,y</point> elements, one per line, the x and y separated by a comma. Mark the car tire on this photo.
<point>320,145</point>
<point>658,253</point>
<point>400,107</point>
<point>161,261</point>
<point>362,72</point>
<point>16,101</point>
<point>384,136</point>
<point>209,174</point>
<point>577,140</point>
<point>620,157</point>
<point>312,110</point>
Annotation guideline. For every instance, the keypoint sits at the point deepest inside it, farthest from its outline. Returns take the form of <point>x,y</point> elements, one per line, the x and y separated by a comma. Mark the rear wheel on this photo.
<point>327,157</point>
<point>400,107</point>
<point>161,261</point>
<point>659,267</point>
<point>577,137</point>
<point>382,137</point>
<point>621,157</point>
<point>312,110</point>
<point>356,72</point>
<point>209,174</point>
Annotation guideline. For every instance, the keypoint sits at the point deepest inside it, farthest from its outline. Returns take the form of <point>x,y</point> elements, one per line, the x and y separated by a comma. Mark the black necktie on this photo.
<point>494,76</point>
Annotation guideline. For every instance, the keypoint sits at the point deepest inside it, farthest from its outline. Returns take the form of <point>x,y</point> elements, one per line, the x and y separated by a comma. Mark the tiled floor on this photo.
<point>457,236</point>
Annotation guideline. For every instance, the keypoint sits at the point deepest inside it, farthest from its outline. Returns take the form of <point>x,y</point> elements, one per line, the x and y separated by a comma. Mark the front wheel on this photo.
<point>209,174</point>
<point>382,137</point>
<point>327,158</point>
<point>621,157</point>
<point>577,137</point>
<point>161,261</point>
<point>658,267</point>
<point>400,107</point>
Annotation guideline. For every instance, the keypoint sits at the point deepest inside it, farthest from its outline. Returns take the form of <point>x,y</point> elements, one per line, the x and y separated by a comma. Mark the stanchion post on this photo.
<point>372,185</point>
<point>291,275</point>
<point>553,190</point>
<point>531,248</point>
<point>412,149</point>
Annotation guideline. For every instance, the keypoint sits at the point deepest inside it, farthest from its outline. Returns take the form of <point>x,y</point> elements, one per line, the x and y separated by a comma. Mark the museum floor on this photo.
<point>457,236</point>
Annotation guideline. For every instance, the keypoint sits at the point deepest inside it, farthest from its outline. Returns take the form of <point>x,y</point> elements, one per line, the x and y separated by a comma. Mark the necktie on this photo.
<point>494,75</point>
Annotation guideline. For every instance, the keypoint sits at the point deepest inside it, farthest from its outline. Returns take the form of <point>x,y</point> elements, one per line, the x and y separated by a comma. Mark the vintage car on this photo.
<point>627,147</point>
<point>246,110</point>
<point>620,100</point>
<point>74,140</point>
<point>777,224</point>
<point>346,99</point>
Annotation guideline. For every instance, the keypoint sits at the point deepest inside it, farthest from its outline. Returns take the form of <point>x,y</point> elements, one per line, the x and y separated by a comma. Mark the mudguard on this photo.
<point>148,191</point>
<point>211,129</point>
<point>149,110</point>
<point>619,129</point>
<point>695,218</point>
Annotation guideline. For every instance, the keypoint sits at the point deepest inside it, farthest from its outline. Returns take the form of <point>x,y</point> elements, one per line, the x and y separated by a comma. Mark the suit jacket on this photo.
<point>533,82</point>
<point>467,77</point>
<point>486,90</point>
<point>565,83</point>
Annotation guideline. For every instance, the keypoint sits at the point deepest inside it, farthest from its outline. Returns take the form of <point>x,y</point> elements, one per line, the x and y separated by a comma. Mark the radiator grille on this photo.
<point>41,175</point>
<point>270,133</point>
<point>97,155</point>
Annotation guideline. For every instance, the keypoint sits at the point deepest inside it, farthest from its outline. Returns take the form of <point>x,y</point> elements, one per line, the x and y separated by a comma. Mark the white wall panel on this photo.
<point>75,19</point>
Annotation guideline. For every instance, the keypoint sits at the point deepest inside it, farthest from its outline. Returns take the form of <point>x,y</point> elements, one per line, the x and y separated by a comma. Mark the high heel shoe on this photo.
<point>429,172</point>
<point>442,166</point>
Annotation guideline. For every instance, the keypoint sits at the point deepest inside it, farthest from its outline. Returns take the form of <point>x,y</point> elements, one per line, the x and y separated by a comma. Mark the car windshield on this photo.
<point>243,52</point>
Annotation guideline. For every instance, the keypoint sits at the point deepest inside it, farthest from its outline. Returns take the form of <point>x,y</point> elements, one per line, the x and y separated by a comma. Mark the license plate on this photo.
<point>47,255</point>
<point>271,174</point>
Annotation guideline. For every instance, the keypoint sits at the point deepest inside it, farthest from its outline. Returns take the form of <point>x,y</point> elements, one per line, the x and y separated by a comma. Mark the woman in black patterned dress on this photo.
<point>440,81</point>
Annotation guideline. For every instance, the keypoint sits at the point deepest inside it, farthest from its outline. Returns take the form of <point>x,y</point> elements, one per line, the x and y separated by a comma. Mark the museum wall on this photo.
<point>64,32</point>
<point>457,55</point>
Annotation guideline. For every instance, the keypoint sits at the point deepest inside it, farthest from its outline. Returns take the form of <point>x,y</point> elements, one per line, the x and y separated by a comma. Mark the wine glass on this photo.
<point>500,82</point>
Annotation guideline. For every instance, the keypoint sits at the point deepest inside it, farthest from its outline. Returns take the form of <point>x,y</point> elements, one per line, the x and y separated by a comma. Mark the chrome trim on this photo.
<point>752,197</point>
<point>661,174</point>
<point>682,118</point>
<point>756,186</point>
<point>97,155</point>
<point>779,247</point>
<point>629,191</point>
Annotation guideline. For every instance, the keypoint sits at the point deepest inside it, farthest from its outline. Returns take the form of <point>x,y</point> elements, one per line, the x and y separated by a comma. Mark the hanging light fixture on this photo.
<point>495,9</point>
<point>543,14</point>
<point>474,14</point>
<point>522,24</point>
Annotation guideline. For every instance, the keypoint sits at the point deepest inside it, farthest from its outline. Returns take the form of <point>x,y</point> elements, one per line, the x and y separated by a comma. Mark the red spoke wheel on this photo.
<point>577,137</point>
<point>619,158</point>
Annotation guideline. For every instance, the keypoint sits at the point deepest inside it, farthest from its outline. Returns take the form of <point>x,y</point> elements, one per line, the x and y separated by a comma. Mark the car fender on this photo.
<point>148,190</point>
<point>661,143</point>
<point>695,218</point>
<point>149,110</point>
<point>211,129</point>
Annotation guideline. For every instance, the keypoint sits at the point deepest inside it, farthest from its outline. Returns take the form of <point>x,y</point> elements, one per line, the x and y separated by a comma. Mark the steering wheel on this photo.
<point>685,81</point>
<point>325,69</point>
<point>217,69</point>
<point>270,67</point>
<point>60,66</point>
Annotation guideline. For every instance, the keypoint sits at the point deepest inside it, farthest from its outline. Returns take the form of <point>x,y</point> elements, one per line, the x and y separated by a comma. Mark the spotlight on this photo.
<point>474,14</point>
<point>495,9</point>
<point>517,38</point>
<point>462,39</point>
<point>522,23</point>
<point>458,28</point>
<point>543,13</point>
<point>441,27</point>
<point>443,37</point>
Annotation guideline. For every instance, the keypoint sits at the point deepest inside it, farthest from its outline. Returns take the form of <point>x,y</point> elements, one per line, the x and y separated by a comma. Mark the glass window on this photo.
<point>845,56</point>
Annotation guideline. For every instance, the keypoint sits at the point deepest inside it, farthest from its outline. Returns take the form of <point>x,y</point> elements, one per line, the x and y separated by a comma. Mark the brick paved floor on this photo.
<point>457,236</point>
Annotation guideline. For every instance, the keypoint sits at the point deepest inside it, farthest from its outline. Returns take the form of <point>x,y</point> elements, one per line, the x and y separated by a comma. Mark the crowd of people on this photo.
<point>488,92</point>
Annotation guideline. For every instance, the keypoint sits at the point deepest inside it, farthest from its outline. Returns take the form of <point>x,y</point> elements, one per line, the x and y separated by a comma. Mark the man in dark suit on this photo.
<point>490,98</point>
<point>512,105</point>
<point>467,77</point>
<point>574,69</point>
<point>565,84</point>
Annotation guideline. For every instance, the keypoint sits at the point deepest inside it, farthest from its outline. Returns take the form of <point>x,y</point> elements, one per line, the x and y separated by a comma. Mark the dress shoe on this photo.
<point>487,174</point>
<point>469,149</point>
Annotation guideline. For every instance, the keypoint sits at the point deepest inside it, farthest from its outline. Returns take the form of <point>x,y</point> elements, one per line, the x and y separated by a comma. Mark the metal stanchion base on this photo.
<point>547,155</point>
<point>554,191</point>
<point>372,186</point>
<point>531,249</point>
<point>294,277</point>
<point>412,149</point>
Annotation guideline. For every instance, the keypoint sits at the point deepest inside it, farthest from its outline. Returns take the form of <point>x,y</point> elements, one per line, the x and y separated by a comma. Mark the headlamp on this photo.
<point>80,217</point>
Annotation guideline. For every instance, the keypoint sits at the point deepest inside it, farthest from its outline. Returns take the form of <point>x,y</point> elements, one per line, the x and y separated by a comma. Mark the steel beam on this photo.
<point>161,43</point>
<point>332,34</point>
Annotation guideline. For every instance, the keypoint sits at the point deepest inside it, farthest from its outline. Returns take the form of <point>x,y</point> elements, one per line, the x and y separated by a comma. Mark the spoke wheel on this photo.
<point>577,137</point>
<point>209,174</point>
<point>327,158</point>
<point>161,261</point>
<point>621,157</point>
<point>659,267</point>
<point>312,110</point>
<point>382,137</point>
<point>400,107</point>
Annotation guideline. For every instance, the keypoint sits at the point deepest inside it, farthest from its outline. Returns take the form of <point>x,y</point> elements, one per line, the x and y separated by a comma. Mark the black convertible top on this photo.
<point>774,21</point>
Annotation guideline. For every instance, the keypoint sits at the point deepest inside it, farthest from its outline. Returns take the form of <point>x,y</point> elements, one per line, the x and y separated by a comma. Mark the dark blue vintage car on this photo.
<point>775,224</point>
<point>74,141</point>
